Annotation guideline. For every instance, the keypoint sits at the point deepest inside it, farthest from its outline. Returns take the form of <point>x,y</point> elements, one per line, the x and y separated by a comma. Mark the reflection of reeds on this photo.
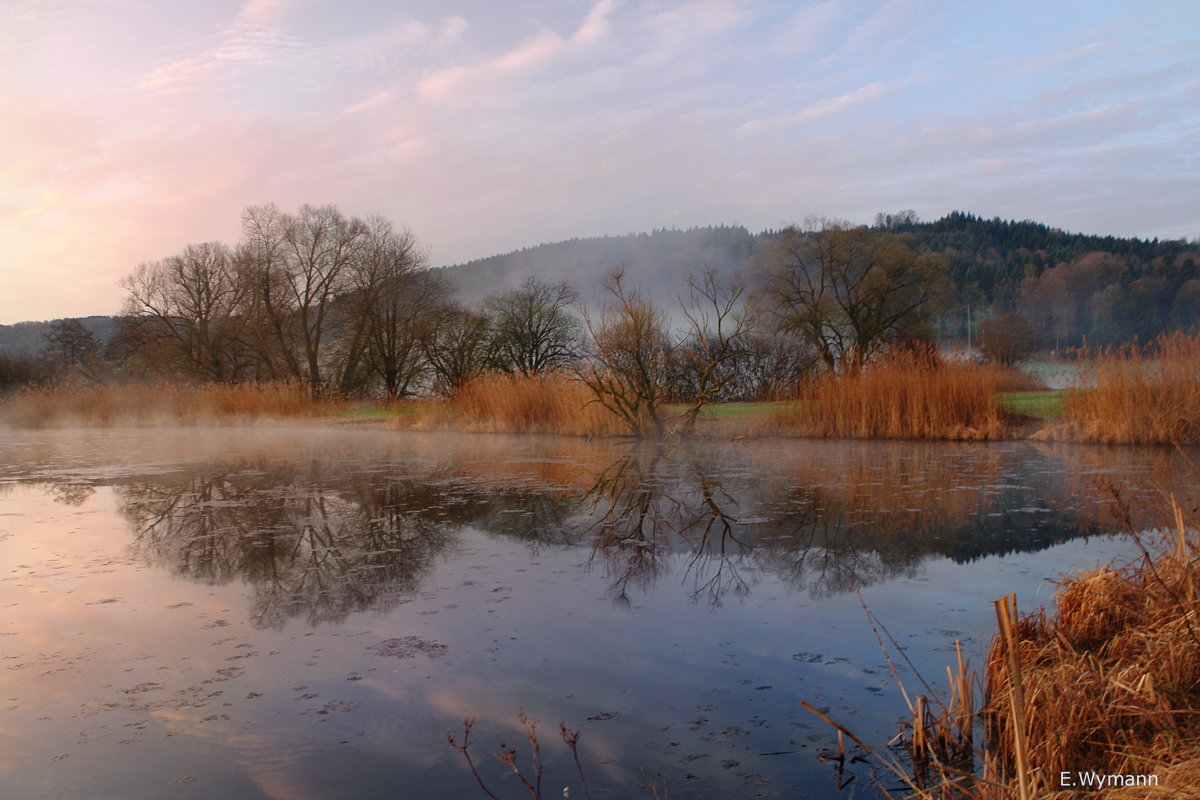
<point>1138,395</point>
<point>109,404</point>
<point>904,396</point>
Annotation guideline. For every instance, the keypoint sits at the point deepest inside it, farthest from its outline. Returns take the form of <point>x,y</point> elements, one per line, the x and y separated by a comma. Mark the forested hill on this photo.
<point>1070,285</point>
<point>28,338</point>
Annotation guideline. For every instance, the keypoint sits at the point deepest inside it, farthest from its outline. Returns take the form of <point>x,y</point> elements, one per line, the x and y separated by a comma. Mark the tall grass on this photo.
<point>1137,395</point>
<point>1111,681</point>
<point>501,403</point>
<point>904,396</point>
<point>156,403</point>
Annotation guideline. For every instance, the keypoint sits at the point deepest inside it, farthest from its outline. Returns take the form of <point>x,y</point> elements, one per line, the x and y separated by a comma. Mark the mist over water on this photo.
<point>292,612</point>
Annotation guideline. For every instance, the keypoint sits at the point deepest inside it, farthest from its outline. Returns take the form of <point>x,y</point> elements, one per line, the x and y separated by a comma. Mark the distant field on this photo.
<point>1039,405</point>
<point>735,410</point>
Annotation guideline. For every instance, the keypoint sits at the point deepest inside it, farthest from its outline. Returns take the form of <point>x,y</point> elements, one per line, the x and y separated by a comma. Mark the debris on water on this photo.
<point>604,716</point>
<point>338,705</point>
<point>408,647</point>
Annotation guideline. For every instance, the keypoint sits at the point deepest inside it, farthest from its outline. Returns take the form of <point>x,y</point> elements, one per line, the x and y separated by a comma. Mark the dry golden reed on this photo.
<point>1107,687</point>
<point>156,403</point>
<point>1137,395</point>
<point>904,396</point>
<point>501,403</point>
<point>1111,682</point>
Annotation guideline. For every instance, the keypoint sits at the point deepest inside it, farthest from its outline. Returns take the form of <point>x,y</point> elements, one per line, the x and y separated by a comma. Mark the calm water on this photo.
<point>298,613</point>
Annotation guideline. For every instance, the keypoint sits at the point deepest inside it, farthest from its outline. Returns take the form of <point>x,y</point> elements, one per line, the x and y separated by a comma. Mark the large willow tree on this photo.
<point>849,291</point>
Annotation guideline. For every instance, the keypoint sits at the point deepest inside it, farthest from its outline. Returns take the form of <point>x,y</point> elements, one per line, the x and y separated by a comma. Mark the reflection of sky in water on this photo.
<point>302,614</point>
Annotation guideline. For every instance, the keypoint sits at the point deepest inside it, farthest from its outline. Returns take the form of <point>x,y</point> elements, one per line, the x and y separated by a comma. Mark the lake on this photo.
<point>277,612</point>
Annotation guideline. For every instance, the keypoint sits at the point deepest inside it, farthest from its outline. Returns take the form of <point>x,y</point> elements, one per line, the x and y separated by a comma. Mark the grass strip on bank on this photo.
<point>1046,405</point>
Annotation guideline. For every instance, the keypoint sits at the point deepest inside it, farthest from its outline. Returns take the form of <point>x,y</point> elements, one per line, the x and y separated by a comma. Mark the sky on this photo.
<point>131,128</point>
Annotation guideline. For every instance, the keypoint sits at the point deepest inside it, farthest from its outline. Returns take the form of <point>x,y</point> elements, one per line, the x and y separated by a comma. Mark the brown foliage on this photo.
<point>157,403</point>
<point>1137,395</point>
<point>1111,682</point>
<point>907,395</point>
<point>548,403</point>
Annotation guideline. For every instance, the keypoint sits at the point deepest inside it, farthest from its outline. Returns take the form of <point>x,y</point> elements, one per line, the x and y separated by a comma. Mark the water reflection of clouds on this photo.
<point>504,551</point>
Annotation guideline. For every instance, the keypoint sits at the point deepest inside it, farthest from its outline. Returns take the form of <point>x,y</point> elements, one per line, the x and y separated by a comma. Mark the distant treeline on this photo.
<point>348,303</point>
<point>1069,285</point>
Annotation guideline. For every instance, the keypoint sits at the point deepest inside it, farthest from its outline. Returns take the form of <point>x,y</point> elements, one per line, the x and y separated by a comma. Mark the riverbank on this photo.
<point>1130,395</point>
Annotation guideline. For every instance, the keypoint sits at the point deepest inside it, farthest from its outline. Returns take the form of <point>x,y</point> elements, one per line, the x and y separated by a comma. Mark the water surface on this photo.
<point>307,613</point>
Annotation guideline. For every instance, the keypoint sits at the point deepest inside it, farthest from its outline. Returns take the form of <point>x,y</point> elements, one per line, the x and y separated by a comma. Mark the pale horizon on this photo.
<point>133,128</point>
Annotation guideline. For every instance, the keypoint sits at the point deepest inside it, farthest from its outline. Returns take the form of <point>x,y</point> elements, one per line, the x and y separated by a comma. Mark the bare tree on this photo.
<point>773,364</point>
<point>850,291</point>
<point>300,264</point>
<point>533,328</point>
<point>269,309</point>
<point>631,368</point>
<point>394,300</point>
<point>719,326</point>
<point>71,349</point>
<point>320,245</point>
<point>457,344</point>
<point>188,307</point>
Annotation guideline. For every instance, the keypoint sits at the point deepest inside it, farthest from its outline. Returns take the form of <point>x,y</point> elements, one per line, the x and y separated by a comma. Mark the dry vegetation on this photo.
<point>1137,395</point>
<point>1109,685</point>
<point>157,403</point>
<point>500,403</point>
<point>1129,395</point>
<point>907,395</point>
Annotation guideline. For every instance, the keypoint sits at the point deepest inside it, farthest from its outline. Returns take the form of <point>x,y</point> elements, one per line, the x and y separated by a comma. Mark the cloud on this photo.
<point>474,82</point>
<point>254,36</point>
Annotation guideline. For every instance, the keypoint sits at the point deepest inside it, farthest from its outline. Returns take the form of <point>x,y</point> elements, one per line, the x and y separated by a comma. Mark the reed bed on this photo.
<point>1136,395</point>
<point>1100,699</point>
<point>501,403</point>
<point>904,396</point>
<point>1111,682</point>
<point>157,403</point>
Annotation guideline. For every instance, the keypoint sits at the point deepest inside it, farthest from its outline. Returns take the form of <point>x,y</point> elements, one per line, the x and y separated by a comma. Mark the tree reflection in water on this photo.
<point>322,538</point>
<point>655,501</point>
<point>307,546</point>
